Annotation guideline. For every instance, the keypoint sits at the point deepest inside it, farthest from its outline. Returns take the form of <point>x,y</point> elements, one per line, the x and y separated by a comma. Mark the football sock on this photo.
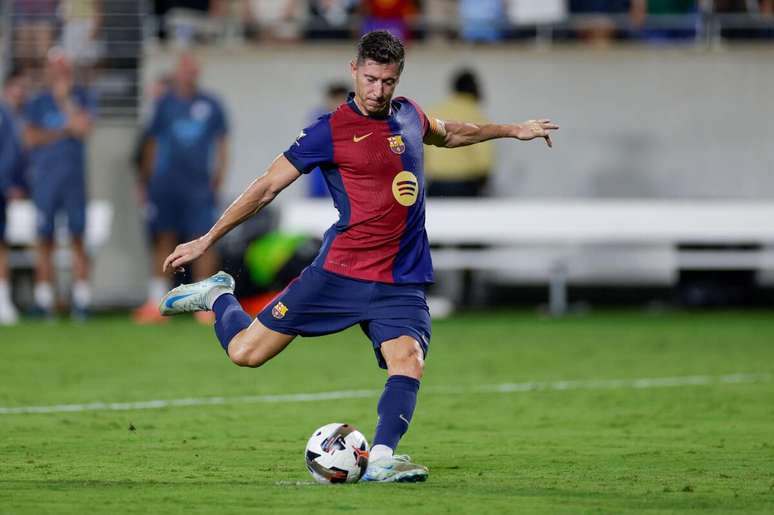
<point>230,319</point>
<point>395,409</point>
<point>5,292</point>
<point>157,287</point>
<point>81,294</point>
<point>44,296</point>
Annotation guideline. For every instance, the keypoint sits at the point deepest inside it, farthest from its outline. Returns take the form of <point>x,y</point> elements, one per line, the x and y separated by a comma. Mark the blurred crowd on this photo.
<point>477,21</point>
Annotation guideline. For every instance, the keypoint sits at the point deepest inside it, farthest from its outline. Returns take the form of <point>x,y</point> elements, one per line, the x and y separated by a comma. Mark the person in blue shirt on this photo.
<point>12,165</point>
<point>184,164</point>
<point>59,121</point>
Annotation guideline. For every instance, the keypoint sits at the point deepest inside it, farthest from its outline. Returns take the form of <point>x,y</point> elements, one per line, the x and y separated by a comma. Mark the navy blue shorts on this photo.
<point>319,302</point>
<point>60,195</point>
<point>187,214</point>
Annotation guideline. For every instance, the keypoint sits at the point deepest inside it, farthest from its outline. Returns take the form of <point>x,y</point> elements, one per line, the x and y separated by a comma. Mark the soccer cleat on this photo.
<point>395,469</point>
<point>190,298</point>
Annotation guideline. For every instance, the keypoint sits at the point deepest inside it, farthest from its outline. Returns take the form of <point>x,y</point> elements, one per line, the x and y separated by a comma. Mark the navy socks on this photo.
<point>395,408</point>
<point>230,319</point>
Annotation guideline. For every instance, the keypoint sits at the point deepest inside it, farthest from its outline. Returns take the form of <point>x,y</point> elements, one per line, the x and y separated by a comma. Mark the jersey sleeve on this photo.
<point>423,119</point>
<point>220,121</point>
<point>155,126</point>
<point>313,147</point>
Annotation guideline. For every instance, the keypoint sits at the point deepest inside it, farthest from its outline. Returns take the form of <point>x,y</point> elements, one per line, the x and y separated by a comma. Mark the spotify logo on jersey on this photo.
<point>405,188</point>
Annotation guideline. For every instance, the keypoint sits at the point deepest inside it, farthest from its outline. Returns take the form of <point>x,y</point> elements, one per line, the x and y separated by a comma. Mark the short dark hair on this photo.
<point>382,47</point>
<point>466,81</point>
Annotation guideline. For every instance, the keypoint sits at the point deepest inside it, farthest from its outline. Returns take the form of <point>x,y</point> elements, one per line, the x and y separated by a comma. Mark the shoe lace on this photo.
<point>405,458</point>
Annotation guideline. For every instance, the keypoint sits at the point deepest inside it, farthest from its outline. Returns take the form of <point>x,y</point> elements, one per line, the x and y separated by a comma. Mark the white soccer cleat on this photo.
<point>395,469</point>
<point>190,298</point>
<point>8,314</point>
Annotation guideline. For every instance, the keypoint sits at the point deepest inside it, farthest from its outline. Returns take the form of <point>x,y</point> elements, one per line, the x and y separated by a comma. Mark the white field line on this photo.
<point>603,384</point>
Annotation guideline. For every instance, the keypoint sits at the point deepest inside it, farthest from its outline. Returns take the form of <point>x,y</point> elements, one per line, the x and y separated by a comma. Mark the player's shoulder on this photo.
<point>406,103</point>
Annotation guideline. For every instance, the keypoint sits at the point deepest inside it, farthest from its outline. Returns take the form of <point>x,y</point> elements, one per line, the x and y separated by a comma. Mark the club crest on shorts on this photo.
<point>396,144</point>
<point>279,310</point>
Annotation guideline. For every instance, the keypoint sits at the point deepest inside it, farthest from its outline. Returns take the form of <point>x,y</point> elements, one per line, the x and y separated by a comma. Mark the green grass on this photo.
<point>703,448</point>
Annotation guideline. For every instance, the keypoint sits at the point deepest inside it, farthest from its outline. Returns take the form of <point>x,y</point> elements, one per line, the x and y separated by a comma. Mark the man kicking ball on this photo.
<point>374,263</point>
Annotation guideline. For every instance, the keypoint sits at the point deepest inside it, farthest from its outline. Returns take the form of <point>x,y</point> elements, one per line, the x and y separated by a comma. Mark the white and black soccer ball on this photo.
<point>337,453</point>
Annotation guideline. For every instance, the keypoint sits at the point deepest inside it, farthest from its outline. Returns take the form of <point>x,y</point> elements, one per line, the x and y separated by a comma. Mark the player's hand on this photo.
<point>185,253</point>
<point>532,129</point>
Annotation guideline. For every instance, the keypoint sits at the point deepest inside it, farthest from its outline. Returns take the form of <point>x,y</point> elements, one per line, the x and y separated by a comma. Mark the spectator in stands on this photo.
<point>189,19</point>
<point>641,10</point>
<point>12,167</point>
<point>272,20</point>
<point>597,26</point>
<point>330,19</point>
<point>481,21</point>
<point>441,18</point>
<point>82,21</point>
<point>59,121</point>
<point>34,27</point>
<point>335,95</point>
<point>394,16</point>
<point>465,171</point>
<point>185,165</point>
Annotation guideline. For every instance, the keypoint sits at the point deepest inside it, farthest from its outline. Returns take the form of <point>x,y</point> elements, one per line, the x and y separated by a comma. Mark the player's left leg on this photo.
<point>75,206</point>
<point>405,362</point>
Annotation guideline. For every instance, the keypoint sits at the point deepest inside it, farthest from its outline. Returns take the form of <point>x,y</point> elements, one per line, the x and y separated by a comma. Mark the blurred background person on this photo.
<point>81,25</point>
<point>271,20</point>
<point>482,21</point>
<point>335,95</point>
<point>35,23</point>
<point>184,165</point>
<point>329,19</point>
<point>641,10</point>
<point>597,26</point>
<point>464,171</point>
<point>59,121</point>
<point>395,16</point>
<point>12,166</point>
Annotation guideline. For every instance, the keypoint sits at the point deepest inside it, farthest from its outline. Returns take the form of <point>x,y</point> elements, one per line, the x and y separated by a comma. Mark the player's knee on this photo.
<point>408,361</point>
<point>245,356</point>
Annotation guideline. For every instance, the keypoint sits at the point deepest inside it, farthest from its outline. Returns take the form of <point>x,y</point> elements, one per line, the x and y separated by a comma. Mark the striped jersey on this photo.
<point>374,170</point>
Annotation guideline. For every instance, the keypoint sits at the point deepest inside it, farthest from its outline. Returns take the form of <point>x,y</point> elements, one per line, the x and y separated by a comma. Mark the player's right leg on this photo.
<point>247,342</point>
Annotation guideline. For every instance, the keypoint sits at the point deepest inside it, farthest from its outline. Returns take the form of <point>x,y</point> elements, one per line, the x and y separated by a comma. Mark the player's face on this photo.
<point>375,84</point>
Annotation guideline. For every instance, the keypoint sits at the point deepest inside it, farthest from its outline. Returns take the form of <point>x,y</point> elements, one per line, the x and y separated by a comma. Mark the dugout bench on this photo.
<point>21,233</point>
<point>585,241</point>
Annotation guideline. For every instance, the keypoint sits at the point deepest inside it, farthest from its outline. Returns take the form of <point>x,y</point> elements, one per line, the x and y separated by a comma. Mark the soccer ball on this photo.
<point>337,453</point>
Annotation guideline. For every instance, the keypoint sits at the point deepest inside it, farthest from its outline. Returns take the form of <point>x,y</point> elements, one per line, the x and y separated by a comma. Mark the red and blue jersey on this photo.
<point>374,170</point>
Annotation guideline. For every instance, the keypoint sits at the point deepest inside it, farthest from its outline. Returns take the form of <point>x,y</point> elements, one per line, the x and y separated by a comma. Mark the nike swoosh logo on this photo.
<point>403,418</point>
<point>170,301</point>
<point>357,139</point>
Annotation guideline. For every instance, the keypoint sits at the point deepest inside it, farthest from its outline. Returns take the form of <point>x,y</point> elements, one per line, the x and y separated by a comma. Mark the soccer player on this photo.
<point>59,121</point>
<point>374,263</point>
<point>12,163</point>
<point>183,169</point>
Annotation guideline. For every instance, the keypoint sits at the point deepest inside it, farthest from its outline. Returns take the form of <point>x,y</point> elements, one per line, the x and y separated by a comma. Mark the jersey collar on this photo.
<point>353,105</point>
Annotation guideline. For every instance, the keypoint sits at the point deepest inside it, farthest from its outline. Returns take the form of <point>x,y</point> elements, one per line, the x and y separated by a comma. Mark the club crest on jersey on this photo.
<point>279,310</point>
<point>396,144</point>
<point>405,188</point>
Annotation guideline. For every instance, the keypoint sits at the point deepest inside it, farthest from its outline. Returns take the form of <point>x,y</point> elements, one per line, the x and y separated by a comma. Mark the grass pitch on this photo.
<point>574,447</point>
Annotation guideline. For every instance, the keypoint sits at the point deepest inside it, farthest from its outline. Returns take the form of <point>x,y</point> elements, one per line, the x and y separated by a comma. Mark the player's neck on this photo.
<point>365,112</point>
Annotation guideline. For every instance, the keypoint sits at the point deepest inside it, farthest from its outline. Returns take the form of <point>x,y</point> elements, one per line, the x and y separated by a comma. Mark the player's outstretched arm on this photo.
<point>261,192</point>
<point>451,134</point>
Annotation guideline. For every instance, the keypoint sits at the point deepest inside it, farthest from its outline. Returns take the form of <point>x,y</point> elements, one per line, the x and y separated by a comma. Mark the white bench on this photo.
<point>21,232</point>
<point>561,241</point>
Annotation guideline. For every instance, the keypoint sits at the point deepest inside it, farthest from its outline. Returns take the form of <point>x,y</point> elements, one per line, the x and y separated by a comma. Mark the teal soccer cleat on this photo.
<point>395,469</point>
<point>189,298</point>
